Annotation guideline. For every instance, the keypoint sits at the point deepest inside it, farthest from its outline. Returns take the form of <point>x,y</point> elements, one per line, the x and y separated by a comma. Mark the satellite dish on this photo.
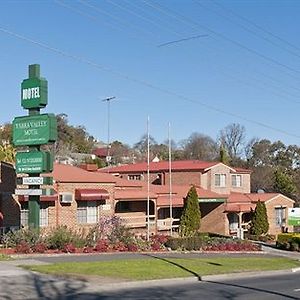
<point>260,191</point>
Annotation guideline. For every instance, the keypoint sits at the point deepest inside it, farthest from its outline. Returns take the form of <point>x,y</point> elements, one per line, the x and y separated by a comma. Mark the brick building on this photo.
<point>82,196</point>
<point>9,208</point>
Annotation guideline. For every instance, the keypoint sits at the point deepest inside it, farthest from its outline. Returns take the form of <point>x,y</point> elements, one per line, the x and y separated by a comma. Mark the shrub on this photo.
<point>39,247</point>
<point>23,247</point>
<point>190,219</point>
<point>102,246</point>
<point>61,236</point>
<point>259,222</point>
<point>69,248</point>
<point>132,248</point>
<point>88,249</point>
<point>29,236</point>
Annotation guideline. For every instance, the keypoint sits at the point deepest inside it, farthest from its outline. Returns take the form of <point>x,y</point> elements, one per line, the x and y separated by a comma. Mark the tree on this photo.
<point>142,146</point>
<point>259,222</point>
<point>284,184</point>
<point>223,156</point>
<point>7,153</point>
<point>232,138</point>
<point>200,146</point>
<point>190,219</point>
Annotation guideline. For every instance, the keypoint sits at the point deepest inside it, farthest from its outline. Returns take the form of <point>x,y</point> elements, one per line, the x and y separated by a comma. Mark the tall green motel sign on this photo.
<point>30,132</point>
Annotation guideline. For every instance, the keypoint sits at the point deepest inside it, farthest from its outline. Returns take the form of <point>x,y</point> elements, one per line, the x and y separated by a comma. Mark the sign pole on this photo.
<point>33,131</point>
<point>34,201</point>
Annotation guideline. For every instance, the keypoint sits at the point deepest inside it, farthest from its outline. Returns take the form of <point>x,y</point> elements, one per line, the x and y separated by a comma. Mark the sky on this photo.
<point>198,65</point>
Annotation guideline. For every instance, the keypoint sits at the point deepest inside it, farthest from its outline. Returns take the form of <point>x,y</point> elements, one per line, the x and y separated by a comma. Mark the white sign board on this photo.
<point>28,192</point>
<point>33,180</point>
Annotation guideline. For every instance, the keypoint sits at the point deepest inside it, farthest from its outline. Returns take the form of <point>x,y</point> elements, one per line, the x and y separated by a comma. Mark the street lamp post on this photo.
<point>108,99</point>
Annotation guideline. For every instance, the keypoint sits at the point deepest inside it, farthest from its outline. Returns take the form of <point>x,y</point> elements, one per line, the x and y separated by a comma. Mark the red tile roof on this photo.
<point>164,201</point>
<point>177,165</point>
<point>68,173</point>
<point>134,194</point>
<point>251,197</point>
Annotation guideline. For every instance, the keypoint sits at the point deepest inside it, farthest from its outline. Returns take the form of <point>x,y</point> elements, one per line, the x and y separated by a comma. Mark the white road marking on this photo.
<point>296,290</point>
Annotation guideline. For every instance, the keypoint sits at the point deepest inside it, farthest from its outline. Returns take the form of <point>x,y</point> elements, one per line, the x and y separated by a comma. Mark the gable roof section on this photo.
<point>68,173</point>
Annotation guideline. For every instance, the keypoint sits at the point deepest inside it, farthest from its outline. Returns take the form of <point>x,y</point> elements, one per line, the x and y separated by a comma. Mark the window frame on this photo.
<point>220,182</point>
<point>236,181</point>
<point>87,212</point>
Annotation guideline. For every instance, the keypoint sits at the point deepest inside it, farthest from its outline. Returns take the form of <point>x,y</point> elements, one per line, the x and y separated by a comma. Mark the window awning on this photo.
<point>43,198</point>
<point>91,194</point>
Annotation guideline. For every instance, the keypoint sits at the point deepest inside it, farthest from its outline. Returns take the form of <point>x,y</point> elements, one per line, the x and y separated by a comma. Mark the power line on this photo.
<point>102,11</point>
<point>183,40</point>
<point>195,24</point>
<point>246,28</point>
<point>256,25</point>
<point>145,83</point>
<point>205,45</point>
<point>80,12</point>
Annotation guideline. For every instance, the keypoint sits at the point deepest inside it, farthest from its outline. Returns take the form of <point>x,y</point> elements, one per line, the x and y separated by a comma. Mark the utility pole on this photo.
<point>108,99</point>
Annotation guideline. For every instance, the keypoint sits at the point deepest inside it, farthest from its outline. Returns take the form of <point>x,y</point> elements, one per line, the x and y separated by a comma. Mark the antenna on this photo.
<point>108,99</point>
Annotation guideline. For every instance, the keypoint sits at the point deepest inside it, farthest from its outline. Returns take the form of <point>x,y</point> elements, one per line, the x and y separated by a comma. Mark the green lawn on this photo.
<point>154,268</point>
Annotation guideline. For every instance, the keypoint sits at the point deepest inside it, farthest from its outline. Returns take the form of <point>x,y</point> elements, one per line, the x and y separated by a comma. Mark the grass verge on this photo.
<point>4,257</point>
<point>157,268</point>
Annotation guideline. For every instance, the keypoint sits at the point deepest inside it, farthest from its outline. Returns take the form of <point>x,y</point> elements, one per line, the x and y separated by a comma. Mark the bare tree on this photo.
<point>200,146</point>
<point>232,137</point>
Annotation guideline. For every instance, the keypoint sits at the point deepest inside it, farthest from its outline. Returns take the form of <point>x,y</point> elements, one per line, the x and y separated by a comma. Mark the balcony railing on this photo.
<point>165,224</point>
<point>136,219</point>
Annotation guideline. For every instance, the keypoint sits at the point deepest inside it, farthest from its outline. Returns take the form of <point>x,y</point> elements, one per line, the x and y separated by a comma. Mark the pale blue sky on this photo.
<point>246,69</point>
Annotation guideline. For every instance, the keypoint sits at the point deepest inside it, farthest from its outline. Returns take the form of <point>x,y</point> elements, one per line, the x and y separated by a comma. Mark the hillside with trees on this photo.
<point>275,166</point>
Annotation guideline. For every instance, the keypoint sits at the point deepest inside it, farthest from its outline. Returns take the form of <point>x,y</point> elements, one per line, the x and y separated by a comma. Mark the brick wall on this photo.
<point>8,206</point>
<point>213,218</point>
<point>278,202</point>
<point>210,182</point>
<point>66,214</point>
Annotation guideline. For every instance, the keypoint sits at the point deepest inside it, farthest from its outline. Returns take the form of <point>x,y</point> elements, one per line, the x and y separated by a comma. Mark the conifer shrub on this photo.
<point>190,219</point>
<point>259,222</point>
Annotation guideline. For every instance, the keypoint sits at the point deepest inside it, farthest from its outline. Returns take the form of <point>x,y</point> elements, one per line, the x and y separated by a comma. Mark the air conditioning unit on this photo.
<point>66,197</point>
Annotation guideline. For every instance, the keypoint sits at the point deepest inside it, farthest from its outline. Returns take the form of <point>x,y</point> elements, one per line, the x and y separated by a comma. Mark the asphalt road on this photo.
<point>36,286</point>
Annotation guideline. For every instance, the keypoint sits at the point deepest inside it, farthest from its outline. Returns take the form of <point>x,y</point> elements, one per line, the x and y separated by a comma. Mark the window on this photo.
<point>220,180</point>
<point>233,222</point>
<point>236,180</point>
<point>87,212</point>
<point>135,177</point>
<point>43,216</point>
<point>24,215</point>
<point>279,216</point>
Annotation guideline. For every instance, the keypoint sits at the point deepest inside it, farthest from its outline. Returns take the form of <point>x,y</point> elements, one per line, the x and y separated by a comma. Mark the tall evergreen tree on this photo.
<point>191,216</point>
<point>260,224</point>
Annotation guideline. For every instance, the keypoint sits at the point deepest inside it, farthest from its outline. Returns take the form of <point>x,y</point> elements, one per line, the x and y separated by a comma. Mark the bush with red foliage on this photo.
<point>88,249</point>
<point>23,247</point>
<point>69,248</point>
<point>232,246</point>
<point>159,238</point>
<point>132,248</point>
<point>102,246</point>
<point>40,248</point>
<point>120,246</point>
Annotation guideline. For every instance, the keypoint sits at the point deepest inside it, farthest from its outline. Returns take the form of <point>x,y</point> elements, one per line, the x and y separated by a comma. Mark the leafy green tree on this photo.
<point>284,184</point>
<point>191,216</point>
<point>223,156</point>
<point>259,222</point>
